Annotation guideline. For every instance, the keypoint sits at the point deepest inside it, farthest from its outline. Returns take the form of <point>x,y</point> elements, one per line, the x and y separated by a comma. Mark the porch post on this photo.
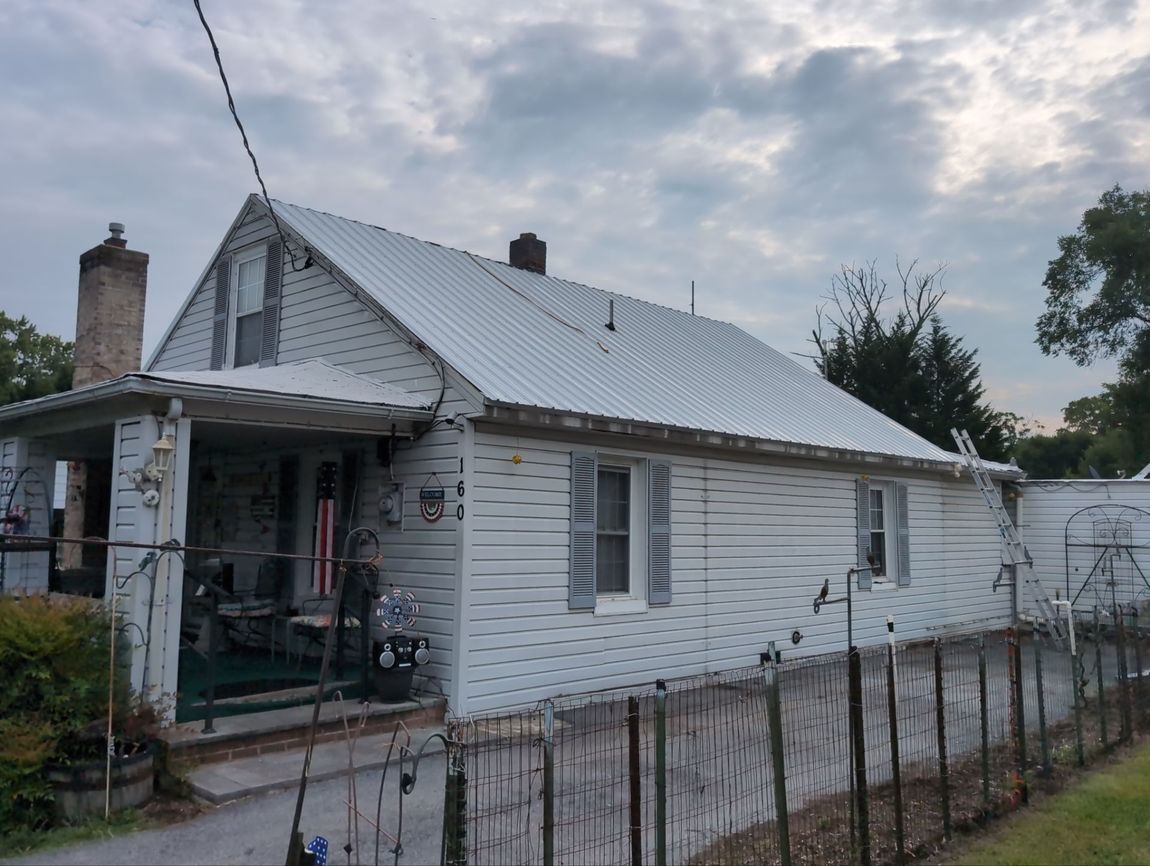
<point>27,483</point>
<point>149,589</point>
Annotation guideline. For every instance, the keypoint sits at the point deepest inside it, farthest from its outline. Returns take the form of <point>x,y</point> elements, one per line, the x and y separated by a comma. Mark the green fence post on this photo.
<point>660,773</point>
<point>770,662</point>
<point>1140,703</point>
<point>548,784</point>
<point>1126,713</point>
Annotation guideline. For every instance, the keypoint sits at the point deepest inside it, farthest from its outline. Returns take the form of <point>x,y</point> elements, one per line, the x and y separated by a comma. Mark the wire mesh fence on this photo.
<point>873,759</point>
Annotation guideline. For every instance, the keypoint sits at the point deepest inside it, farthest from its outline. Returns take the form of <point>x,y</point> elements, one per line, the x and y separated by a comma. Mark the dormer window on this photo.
<point>248,304</point>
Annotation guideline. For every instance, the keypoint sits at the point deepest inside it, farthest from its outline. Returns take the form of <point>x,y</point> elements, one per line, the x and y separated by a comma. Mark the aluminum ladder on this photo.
<point>1015,554</point>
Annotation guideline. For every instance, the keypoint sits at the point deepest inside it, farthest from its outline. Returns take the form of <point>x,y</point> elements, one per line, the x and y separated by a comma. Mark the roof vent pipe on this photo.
<point>611,315</point>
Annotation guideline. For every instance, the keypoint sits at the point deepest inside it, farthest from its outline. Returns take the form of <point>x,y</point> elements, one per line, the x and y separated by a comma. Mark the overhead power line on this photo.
<point>244,136</point>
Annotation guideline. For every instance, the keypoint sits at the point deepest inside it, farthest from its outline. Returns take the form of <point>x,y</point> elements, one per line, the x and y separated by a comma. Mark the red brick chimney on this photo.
<point>529,253</point>
<point>109,343</point>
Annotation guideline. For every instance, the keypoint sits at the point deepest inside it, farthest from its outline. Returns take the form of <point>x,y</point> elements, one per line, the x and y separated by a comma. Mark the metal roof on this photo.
<point>313,378</point>
<point>536,340</point>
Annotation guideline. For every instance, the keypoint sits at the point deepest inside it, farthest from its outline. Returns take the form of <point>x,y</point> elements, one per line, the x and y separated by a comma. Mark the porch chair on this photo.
<point>239,618</point>
<point>312,621</point>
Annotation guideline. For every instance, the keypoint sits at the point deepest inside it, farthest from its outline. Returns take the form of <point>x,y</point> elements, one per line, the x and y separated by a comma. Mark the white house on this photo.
<point>596,490</point>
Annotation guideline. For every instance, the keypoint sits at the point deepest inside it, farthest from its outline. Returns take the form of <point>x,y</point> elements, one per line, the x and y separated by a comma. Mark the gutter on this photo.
<point>552,419</point>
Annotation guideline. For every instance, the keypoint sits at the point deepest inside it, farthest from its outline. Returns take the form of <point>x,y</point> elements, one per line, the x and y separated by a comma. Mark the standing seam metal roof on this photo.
<point>535,340</point>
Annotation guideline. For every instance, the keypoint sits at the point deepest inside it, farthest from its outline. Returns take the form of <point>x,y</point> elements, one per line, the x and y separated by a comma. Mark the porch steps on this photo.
<point>266,733</point>
<point>279,771</point>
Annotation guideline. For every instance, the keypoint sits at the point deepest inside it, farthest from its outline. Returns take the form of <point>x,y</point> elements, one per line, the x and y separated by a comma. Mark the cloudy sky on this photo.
<point>750,146</point>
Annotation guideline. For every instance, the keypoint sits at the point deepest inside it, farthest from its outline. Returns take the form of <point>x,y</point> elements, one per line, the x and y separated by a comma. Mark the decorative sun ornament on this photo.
<point>398,610</point>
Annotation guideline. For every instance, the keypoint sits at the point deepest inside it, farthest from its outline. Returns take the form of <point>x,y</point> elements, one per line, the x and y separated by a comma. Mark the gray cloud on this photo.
<point>750,148</point>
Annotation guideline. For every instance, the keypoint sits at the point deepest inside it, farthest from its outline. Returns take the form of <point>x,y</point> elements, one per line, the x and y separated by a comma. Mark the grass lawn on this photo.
<point>1103,819</point>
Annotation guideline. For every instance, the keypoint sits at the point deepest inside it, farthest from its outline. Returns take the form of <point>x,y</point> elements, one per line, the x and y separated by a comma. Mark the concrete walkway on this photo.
<point>277,771</point>
<point>256,830</point>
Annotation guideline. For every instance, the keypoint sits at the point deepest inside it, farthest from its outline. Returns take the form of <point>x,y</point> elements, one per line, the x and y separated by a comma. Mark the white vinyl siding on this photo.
<point>1045,508</point>
<point>751,544</point>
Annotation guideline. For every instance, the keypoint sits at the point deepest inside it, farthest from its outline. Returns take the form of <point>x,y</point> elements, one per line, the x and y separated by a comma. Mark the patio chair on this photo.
<point>240,618</point>
<point>312,621</point>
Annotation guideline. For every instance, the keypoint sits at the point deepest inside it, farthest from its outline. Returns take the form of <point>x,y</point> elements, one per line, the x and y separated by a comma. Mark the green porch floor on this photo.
<point>250,681</point>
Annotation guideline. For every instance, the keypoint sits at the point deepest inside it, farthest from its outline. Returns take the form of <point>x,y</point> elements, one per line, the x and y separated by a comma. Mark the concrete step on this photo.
<point>280,771</point>
<point>257,734</point>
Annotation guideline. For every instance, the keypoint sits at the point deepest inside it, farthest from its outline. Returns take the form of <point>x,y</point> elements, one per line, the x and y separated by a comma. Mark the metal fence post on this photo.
<point>548,784</point>
<point>940,725</point>
<point>778,769</point>
<point>213,649</point>
<point>1125,710</point>
<point>895,766</point>
<point>858,740</point>
<point>1014,651</point>
<point>1140,702</point>
<point>984,721</point>
<point>1043,739</point>
<point>1098,671</point>
<point>636,781</point>
<point>1076,675</point>
<point>660,773</point>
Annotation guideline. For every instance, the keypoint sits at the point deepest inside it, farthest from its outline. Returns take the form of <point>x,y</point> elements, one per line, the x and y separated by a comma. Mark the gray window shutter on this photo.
<point>581,589</point>
<point>659,524</point>
<point>863,521</point>
<point>273,278</point>
<point>220,314</point>
<point>903,519</point>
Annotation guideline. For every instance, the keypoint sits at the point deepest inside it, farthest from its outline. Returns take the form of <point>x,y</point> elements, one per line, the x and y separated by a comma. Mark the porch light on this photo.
<point>162,452</point>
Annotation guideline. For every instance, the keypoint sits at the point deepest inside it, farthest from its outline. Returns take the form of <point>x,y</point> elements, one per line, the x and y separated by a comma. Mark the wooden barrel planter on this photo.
<point>80,788</point>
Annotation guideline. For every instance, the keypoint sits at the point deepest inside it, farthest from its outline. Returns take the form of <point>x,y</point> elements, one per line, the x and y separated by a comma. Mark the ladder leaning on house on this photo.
<point>1014,550</point>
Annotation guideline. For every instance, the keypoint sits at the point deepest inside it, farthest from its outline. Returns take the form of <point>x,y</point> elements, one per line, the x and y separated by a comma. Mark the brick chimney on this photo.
<point>110,312</point>
<point>109,343</point>
<point>529,253</point>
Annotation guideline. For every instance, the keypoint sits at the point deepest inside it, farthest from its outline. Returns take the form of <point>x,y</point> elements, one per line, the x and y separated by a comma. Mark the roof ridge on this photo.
<point>466,252</point>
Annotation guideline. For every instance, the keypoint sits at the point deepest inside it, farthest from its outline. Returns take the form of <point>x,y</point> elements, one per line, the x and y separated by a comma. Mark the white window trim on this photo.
<point>890,534</point>
<point>242,257</point>
<point>634,601</point>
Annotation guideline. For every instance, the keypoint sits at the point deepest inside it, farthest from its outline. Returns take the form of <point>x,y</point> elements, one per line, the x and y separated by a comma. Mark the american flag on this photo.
<point>324,530</point>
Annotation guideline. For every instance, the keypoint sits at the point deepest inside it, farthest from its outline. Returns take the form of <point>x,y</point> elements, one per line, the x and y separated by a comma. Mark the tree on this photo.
<point>908,366</point>
<point>1057,456</point>
<point>31,364</point>
<point>1098,289</point>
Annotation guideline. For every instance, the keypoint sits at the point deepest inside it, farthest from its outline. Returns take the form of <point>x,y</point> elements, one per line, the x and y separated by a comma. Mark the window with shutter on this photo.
<point>883,534</point>
<point>620,533</point>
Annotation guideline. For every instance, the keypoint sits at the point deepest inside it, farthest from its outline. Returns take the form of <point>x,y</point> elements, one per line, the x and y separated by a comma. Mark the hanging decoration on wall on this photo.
<point>324,528</point>
<point>396,611</point>
<point>431,499</point>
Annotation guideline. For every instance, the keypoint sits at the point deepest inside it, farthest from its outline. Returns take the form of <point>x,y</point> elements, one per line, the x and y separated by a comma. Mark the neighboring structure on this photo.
<point>1090,539</point>
<point>583,490</point>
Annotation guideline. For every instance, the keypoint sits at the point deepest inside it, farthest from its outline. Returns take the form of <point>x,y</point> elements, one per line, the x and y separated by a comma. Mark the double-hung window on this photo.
<point>613,542</point>
<point>620,533</point>
<point>247,326</point>
<point>883,534</point>
<point>246,308</point>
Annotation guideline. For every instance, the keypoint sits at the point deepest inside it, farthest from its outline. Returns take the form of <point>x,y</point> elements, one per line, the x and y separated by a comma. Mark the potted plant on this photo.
<point>54,745</point>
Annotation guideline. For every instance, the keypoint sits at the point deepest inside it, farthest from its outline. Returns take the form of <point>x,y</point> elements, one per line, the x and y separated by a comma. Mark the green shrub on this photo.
<point>54,700</point>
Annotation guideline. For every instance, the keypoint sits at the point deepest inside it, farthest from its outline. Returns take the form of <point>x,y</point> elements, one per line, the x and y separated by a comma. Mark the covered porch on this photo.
<point>249,473</point>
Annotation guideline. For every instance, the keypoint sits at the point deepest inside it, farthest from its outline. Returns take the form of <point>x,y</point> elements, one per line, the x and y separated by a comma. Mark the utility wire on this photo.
<point>244,136</point>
